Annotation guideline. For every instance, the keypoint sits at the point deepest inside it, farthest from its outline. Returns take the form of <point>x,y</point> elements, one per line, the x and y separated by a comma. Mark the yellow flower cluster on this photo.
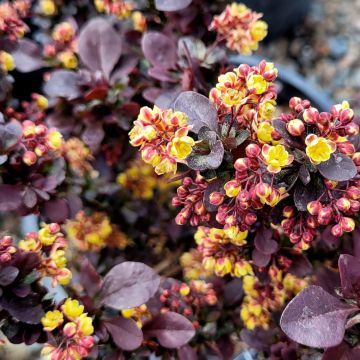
<point>139,314</point>
<point>77,331</point>
<point>220,250</point>
<point>191,263</point>
<point>276,157</point>
<point>319,149</point>
<point>94,232</point>
<point>120,8</point>
<point>240,27</point>
<point>51,245</point>
<point>6,62</point>
<point>163,138</point>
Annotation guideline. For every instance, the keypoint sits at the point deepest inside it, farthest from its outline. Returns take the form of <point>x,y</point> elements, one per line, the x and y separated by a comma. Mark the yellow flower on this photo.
<point>99,4</point>
<point>42,102</point>
<point>242,269</point>
<point>236,236</point>
<point>52,320</point>
<point>127,313</point>
<point>6,61</point>
<point>47,7</point>
<point>85,325</point>
<point>139,21</point>
<point>68,59</point>
<point>63,276</point>
<point>276,157</point>
<point>237,9</point>
<point>59,258</point>
<point>54,140</point>
<point>46,237</point>
<point>259,30</point>
<point>166,165</point>
<point>264,131</point>
<point>181,147</point>
<point>319,149</point>
<point>72,309</point>
<point>257,84</point>
<point>29,244</point>
<point>266,109</point>
<point>232,188</point>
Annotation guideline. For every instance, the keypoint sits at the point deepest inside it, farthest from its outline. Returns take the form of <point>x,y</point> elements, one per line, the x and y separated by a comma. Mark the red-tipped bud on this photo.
<point>294,237</point>
<point>216,198</point>
<point>86,341</point>
<point>311,222</point>
<point>199,208</point>
<point>311,115</point>
<point>263,190</point>
<point>343,204</point>
<point>288,212</point>
<point>41,150</point>
<point>253,150</point>
<point>353,193</point>
<point>294,102</point>
<point>29,128</point>
<point>275,135</point>
<point>41,130</point>
<point>346,148</point>
<point>355,206</point>
<point>324,119</point>
<point>307,236</point>
<point>325,215</point>
<point>183,216</point>
<point>187,181</point>
<point>187,311</point>
<point>295,127</point>
<point>69,329</point>
<point>314,207</point>
<point>29,158</point>
<point>250,219</point>
<point>176,202</point>
<point>352,129</point>
<point>330,184</point>
<point>241,164</point>
<point>347,224</point>
<point>337,230</point>
<point>346,116</point>
<point>5,257</point>
<point>182,192</point>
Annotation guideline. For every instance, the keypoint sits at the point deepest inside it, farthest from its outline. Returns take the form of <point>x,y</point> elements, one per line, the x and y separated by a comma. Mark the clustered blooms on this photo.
<point>11,13</point>
<point>72,328</point>
<point>120,8</point>
<point>78,157</point>
<point>240,27</point>
<point>37,141</point>
<point>63,47</point>
<point>7,249</point>
<point>188,299</point>
<point>190,197</point>
<point>163,138</point>
<point>49,243</point>
<point>261,299</point>
<point>222,250</point>
<point>249,96</point>
<point>94,232</point>
<point>192,265</point>
<point>139,314</point>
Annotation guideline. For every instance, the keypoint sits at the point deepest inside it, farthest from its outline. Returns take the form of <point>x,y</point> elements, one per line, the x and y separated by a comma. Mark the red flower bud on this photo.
<point>352,129</point>
<point>250,218</point>
<point>313,207</point>
<point>263,190</point>
<point>353,193</point>
<point>343,204</point>
<point>346,116</point>
<point>296,127</point>
<point>347,224</point>
<point>356,158</point>
<point>241,164</point>
<point>29,158</point>
<point>253,150</point>
<point>346,148</point>
<point>311,115</point>
<point>216,198</point>
<point>288,211</point>
<point>325,215</point>
<point>337,231</point>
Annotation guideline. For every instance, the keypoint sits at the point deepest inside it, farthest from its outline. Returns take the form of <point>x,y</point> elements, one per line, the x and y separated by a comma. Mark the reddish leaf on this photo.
<point>125,333</point>
<point>56,210</point>
<point>186,352</point>
<point>10,197</point>
<point>315,318</point>
<point>9,135</point>
<point>89,278</point>
<point>63,83</point>
<point>159,49</point>
<point>171,329</point>
<point>100,46</point>
<point>172,5</point>
<point>338,168</point>
<point>128,285</point>
<point>28,56</point>
<point>263,241</point>
<point>8,274</point>
<point>259,258</point>
<point>349,268</point>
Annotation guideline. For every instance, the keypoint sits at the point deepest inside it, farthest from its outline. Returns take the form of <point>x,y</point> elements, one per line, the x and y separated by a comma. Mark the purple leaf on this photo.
<point>315,318</point>
<point>125,333</point>
<point>8,274</point>
<point>56,210</point>
<point>233,292</point>
<point>9,135</point>
<point>280,127</point>
<point>259,258</point>
<point>304,174</point>
<point>10,197</point>
<point>349,268</point>
<point>171,329</point>
<point>128,285</point>
<point>172,5</point>
<point>300,265</point>
<point>263,241</point>
<point>259,338</point>
<point>159,50</point>
<point>63,83</point>
<point>100,46</point>
<point>29,198</point>
<point>338,168</point>
<point>28,56</point>
<point>161,74</point>
<point>126,64</point>
<point>199,109</point>
<point>93,135</point>
<point>304,194</point>
<point>331,241</point>
<point>89,278</point>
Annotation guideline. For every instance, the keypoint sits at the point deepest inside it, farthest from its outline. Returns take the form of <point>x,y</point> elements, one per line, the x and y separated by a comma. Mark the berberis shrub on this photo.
<point>183,214</point>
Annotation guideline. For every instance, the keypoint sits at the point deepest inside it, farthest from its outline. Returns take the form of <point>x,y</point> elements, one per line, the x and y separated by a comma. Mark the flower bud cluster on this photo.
<point>72,328</point>
<point>221,250</point>
<point>263,298</point>
<point>192,265</point>
<point>139,314</point>
<point>38,141</point>
<point>49,243</point>
<point>240,27</point>
<point>94,232</point>
<point>120,8</point>
<point>7,249</point>
<point>163,138</point>
<point>247,93</point>
<point>190,195</point>
<point>188,299</point>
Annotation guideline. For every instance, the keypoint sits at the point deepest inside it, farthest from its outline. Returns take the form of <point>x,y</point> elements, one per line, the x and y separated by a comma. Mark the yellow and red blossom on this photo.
<point>191,263</point>
<point>163,138</point>
<point>7,62</point>
<point>319,149</point>
<point>120,8</point>
<point>63,32</point>
<point>139,314</point>
<point>240,27</point>
<point>276,157</point>
<point>11,14</point>
<point>139,21</point>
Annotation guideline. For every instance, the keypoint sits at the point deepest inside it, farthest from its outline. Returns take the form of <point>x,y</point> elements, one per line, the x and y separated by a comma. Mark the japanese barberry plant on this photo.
<point>182,209</point>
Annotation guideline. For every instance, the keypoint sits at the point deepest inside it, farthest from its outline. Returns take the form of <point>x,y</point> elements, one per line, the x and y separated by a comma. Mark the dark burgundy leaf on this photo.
<point>8,274</point>
<point>63,83</point>
<point>128,285</point>
<point>125,333</point>
<point>331,241</point>
<point>300,265</point>
<point>338,168</point>
<point>205,162</point>
<point>9,135</point>
<point>304,174</point>
<point>161,74</point>
<point>263,241</point>
<point>29,198</point>
<point>159,49</point>
<point>22,290</point>
<point>89,278</point>
<point>10,197</point>
<point>100,46</point>
<point>328,279</point>
<point>186,352</point>
<point>349,268</point>
<point>28,56</point>
<point>258,339</point>
<point>260,259</point>
<point>280,127</point>
<point>315,318</point>
<point>304,194</point>
<point>172,5</point>
<point>339,352</point>
<point>200,110</point>
<point>93,135</point>
<point>233,292</point>
<point>126,64</point>
<point>171,329</point>
<point>56,210</point>
<point>356,242</point>
<point>150,94</point>
<point>226,347</point>
<point>165,99</point>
